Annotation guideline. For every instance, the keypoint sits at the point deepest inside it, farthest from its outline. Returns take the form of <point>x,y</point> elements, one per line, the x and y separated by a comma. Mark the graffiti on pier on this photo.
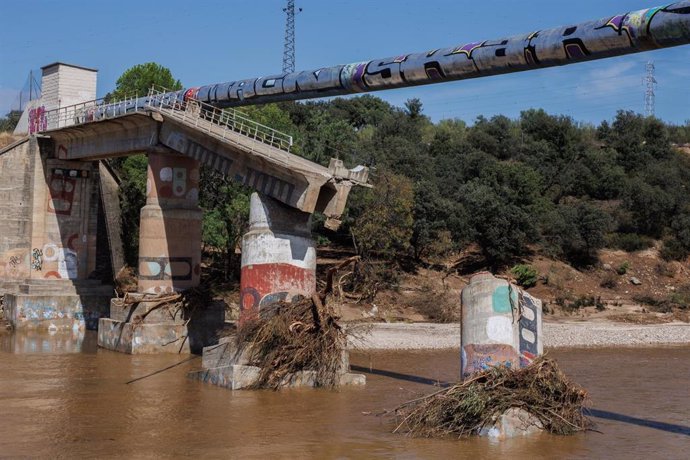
<point>14,261</point>
<point>37,260</point>
<point>68,264</point>
<point>58,262</point>
<point>61,195</point>
<point>16,264</point>
<point>37,120</point>
<point>174,183</point>
<point>479,357</point>
<point>44,309</point>
<point>167,268</point>
<point>528,329</point>
<point>251,300</point>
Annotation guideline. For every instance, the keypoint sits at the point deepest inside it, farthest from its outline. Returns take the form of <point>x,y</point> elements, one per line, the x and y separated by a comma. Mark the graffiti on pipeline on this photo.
<point>621,34</point>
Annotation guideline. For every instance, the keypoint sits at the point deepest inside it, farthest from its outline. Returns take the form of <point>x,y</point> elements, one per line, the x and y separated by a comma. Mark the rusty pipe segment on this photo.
<point>637,31</point>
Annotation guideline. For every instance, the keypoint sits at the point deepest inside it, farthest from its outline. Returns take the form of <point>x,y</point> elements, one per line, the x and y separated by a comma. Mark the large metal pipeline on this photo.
<point>633,32</point>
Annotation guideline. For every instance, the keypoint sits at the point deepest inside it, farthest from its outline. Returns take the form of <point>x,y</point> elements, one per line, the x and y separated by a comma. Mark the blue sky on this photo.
<point>222,40</point>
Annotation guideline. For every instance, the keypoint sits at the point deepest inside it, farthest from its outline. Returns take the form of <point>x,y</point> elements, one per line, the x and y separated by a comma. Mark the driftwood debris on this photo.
<point>303,335</point>
<point>465,408</point>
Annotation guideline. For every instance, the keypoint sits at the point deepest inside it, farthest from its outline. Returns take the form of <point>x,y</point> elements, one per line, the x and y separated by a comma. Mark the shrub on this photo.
<point>609,281</point>
<point>629,242</point>
<point>681,298</point>
<point>525,275</point>
<point>586,301</point>
<point>623,268</point>
<point>654,303</point>
<point>673,250</point>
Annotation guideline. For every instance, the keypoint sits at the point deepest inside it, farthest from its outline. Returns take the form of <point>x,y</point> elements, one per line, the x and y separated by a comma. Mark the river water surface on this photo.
<point>62,397</point>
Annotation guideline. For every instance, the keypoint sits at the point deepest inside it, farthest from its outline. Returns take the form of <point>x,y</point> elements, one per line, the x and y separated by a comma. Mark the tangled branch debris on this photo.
<point>359,284</point>
<point>464,409</point>
<point>125,281</point>
<point>174,304</point>
<point>300,336</point>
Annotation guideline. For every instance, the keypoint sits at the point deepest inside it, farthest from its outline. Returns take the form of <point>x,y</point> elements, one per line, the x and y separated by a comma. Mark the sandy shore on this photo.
<point>421,336</point>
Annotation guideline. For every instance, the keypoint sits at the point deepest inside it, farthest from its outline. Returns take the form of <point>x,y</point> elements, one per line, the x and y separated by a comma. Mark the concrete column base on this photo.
<point>142,328</point>
<point>142,338</point>
<point>226,366</point>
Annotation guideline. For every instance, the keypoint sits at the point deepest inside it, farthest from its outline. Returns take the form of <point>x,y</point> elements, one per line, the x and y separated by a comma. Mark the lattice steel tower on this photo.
<point>289,49</point>
<point>649,94</point>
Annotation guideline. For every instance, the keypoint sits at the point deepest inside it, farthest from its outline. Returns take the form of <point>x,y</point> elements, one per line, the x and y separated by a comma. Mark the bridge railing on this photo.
<point>86,112</point>
<point>224,123</point>
<point>70,115</point>
<point>227,121</point>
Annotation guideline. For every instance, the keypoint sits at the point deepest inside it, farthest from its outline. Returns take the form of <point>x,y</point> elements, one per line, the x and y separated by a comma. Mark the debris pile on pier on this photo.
<point>304,335</point>
<point>294,337</point>
<point>125,281</point>
<point>173,305</point>
<point>464,409</point>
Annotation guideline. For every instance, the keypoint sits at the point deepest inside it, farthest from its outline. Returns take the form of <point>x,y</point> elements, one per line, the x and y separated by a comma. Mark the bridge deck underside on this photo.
<point>286,177</point>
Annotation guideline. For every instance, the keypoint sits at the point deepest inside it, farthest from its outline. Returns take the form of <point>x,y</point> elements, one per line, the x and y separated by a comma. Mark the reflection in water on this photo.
<point>70,405</point>
<point>44,342</point>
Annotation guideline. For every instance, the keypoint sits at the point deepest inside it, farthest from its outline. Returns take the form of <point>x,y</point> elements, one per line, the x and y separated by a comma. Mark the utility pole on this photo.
<point>650,95</point>
<point>289,47</point>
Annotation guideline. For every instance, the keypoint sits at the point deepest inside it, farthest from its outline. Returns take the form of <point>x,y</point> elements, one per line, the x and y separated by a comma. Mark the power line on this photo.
<point>649,94</point>
<point>289,46</point>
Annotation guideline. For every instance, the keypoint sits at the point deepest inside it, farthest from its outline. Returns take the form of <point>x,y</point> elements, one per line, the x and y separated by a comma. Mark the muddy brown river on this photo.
<point>62,397</point>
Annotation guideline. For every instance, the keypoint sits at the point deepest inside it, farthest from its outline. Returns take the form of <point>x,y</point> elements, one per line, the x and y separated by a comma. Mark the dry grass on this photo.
<point>7,138</point>
<point>465,408</point>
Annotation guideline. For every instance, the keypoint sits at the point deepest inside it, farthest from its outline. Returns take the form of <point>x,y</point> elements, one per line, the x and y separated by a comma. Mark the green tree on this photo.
<point>132,171</point>
<point>383,217</point>
<point>576,231</point>
<point>226,217</point>
<point>9,121</point>
<point>502,229</point>
<point>139,79</point>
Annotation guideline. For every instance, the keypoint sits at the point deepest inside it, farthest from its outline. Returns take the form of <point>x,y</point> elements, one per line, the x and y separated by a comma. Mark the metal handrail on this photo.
<point>86,112</point>
<point>228,124</point>
<point>232,120</point>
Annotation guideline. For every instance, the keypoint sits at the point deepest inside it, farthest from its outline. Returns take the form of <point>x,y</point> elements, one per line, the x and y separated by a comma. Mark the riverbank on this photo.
<point>426,336</point>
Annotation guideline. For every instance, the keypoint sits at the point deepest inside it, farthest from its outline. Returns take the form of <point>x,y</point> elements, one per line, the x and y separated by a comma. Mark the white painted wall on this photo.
<point>63,85</point>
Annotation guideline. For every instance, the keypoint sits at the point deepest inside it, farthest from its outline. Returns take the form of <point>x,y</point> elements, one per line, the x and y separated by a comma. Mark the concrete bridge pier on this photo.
<point>170,228</point>
<point>278,256</point>
<point>278,264</point>
<point>169,262</point>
